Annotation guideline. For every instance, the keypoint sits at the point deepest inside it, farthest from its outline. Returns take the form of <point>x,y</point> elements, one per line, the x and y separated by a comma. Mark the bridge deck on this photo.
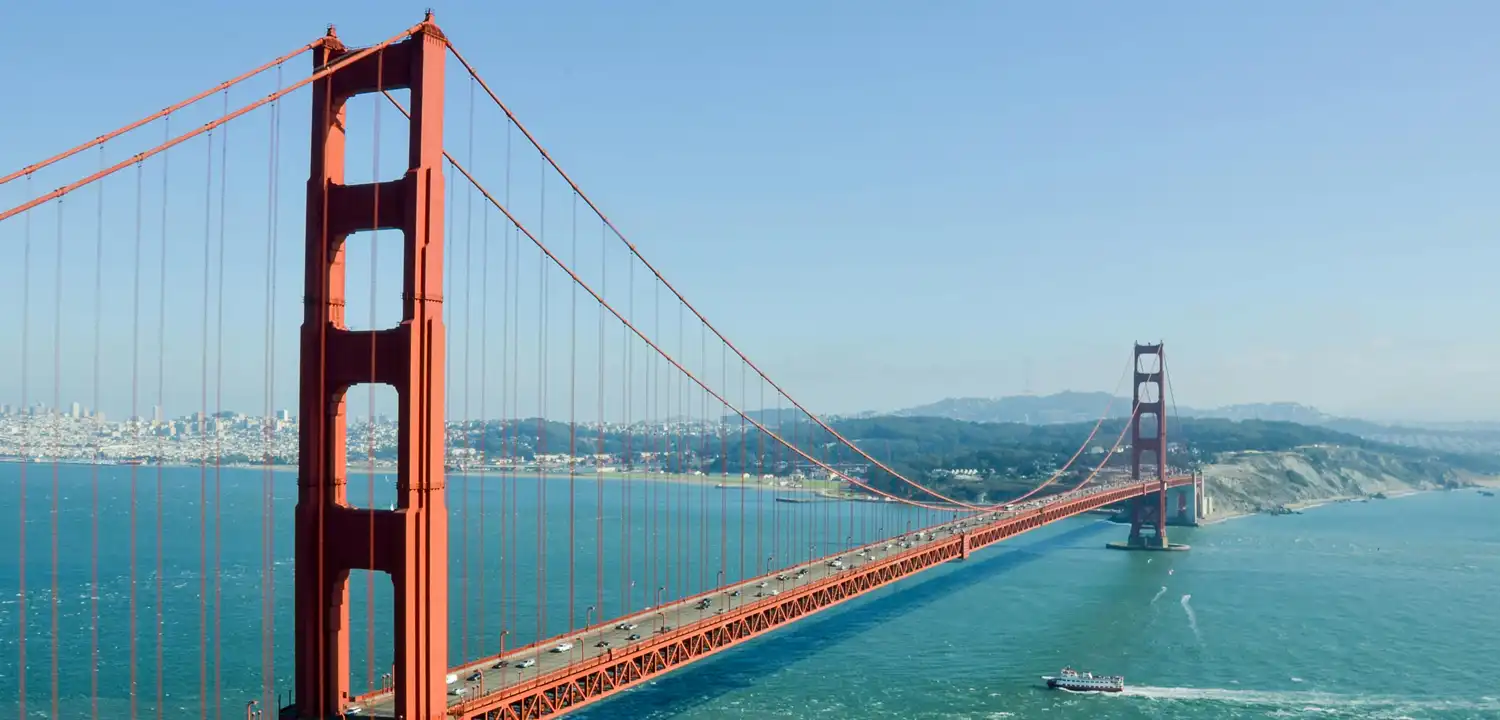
<point>681,632</point>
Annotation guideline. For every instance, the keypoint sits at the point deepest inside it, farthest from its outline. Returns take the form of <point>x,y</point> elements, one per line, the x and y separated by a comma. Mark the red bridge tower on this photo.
<point>1148,433</point>
<point>409,543</point>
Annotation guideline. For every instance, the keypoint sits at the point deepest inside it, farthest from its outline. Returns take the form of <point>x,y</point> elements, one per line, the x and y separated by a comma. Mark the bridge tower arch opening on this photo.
<point>409,542</point>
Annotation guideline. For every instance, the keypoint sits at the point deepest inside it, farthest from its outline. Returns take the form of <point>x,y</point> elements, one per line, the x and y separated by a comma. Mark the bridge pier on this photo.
<point>1185,504</point>
<point>1149,512</point>
<point>1148,528</point>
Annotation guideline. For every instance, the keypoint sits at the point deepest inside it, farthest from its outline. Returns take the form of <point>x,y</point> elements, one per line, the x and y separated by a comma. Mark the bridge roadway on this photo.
<point>685,630</point>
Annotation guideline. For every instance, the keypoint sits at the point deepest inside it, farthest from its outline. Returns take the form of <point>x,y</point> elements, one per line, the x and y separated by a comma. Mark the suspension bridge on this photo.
<point>442,563</point>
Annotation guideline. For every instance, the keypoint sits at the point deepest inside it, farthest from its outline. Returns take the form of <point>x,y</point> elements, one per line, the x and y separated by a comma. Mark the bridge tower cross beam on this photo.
<point>410,542</point>
<point>1148,434</point>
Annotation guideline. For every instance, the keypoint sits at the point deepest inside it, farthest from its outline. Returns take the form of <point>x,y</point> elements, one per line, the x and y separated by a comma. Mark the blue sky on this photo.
<point>887,203</point>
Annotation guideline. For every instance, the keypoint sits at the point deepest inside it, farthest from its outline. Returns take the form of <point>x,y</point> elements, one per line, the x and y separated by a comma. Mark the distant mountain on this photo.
<point>1275,412</point>
<point>1067,407</point>
<point>1071,407</point>
<point>1064,407</point>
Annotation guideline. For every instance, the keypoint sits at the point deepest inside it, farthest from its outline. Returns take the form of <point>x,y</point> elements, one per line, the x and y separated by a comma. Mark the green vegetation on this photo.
<point>1007,458</point>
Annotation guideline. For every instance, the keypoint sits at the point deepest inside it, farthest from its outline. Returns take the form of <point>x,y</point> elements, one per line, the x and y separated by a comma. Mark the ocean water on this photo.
<point>1386,609</point>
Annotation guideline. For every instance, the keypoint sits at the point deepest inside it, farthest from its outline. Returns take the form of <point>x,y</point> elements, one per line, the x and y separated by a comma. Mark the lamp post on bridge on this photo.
<point>588,622</point>
<point>659,612</point>
<point>718,585</point>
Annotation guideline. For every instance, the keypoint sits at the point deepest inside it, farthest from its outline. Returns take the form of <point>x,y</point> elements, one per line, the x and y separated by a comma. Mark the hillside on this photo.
<point>1070,406</point>
<point>1074,407</point>
<point>1010,457</point>
<point>1253,463</point>
<point>1248,482</point>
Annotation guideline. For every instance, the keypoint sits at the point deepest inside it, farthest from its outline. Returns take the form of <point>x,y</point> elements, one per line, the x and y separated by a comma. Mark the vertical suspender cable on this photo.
<point>268,428</point>
<point>161,392</point>
<point>135,432</point>
<point>202,444</point>
<point>541,440</point>
<point>22,617</point>
<point>218,421</point>
<point>57,408</point>
<point>94,470</point>
<point>600,451</point>
<point>572,422</point>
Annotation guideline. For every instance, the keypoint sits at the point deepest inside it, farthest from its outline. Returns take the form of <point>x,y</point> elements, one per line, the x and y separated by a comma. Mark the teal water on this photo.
<point>1387,609</point>
<point>679,539</point>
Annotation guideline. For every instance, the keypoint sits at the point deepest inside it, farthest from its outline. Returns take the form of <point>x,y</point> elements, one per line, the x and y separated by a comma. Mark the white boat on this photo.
<point>1070,679</point>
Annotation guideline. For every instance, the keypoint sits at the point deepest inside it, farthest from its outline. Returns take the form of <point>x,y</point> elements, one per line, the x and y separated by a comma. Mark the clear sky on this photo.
<point>887,203</point>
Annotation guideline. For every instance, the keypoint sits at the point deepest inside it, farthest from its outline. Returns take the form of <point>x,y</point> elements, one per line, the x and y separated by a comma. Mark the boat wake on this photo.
<point>1322,704</point>
<point>1192,617</point>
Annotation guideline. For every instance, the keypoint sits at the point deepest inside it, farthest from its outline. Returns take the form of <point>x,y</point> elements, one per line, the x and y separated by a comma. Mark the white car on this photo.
<point>528,662</point>
<point>563,647</point>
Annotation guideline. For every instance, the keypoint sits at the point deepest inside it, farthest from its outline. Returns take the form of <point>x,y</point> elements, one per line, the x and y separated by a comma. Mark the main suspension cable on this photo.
<point>473,73</point>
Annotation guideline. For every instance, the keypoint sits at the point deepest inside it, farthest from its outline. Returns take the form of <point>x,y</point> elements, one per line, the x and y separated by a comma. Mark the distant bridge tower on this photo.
<point>1148,434</point>
<point>410,542</point>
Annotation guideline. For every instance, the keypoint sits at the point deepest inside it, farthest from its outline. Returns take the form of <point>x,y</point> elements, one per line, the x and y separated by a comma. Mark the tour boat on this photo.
<point>1070,679</point>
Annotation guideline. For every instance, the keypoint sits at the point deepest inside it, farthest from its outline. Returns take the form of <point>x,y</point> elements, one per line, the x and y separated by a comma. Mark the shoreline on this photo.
<point>1306,505</point>
<point>806,485</point>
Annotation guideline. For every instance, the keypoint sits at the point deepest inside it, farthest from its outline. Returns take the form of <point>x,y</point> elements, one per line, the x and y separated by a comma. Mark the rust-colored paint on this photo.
<point>572,687</point>
<point>409,543</point>
<point>1150,511</point>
